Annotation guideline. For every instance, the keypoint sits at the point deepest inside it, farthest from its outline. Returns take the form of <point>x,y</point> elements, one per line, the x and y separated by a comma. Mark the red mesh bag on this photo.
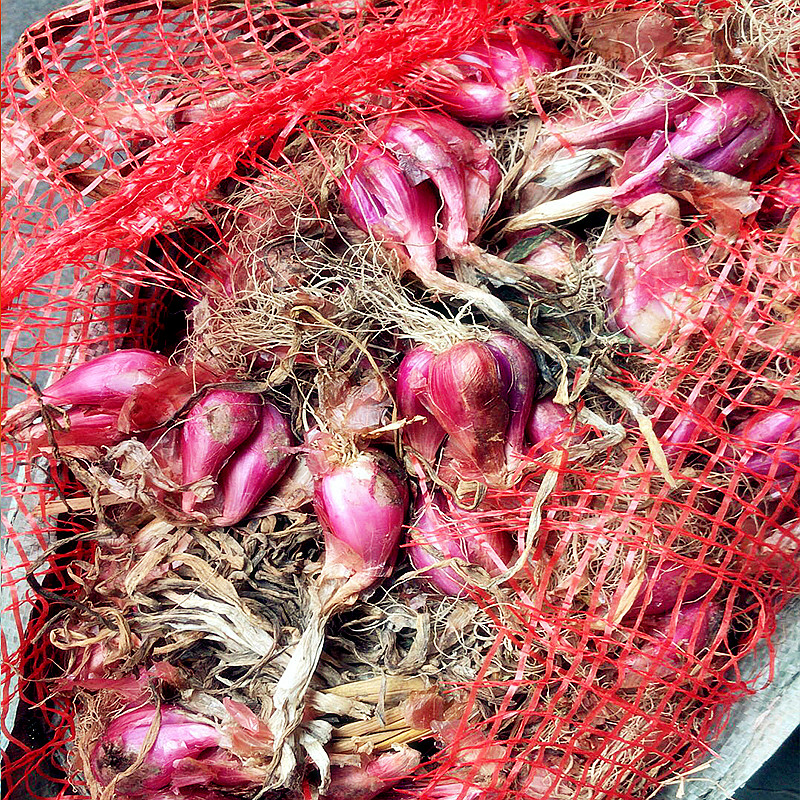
<point>150,147</point>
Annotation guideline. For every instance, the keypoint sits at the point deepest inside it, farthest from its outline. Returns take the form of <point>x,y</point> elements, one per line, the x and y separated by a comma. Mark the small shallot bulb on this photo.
<point>768,442</point>
<point>256,466</point>
<point>519,380</point>
<point>431,541</point>
<point>725,132</point>
<point>361,504</point>
<point>214,428</point>
<point>664,583</point>
<point>549,425</point>
<point>640,112</point>
<point>379,198</point>
<point>178,737</point>
<point>110,381</point>
<point>486,83</point>
<point>675,639</point>
<point>424,436</point>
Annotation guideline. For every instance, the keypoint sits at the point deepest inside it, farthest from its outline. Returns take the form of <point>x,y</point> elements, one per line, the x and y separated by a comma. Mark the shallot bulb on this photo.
<point>361,500</point>
<point>185,752</point>
<point>725,132</point>
<point>431,541</point>
<point>379,198</point>
<point>424,436</point>
<point>647,268</point>
<point>768,443</point>
<point>214,428</point>
<point>361,504</point>
<point>477,393</point>
<point>429,146</point>
<point>664,583</point>
<point>518,370</point>
<point>549,256</point>
<point>76,430</point>
<point>256,466</point>
<point>674,638</point>
<point>652,107</point>
<point>467,396</point>
<point>486,83</point>
<point>142,386</point>
<point>549,425</point>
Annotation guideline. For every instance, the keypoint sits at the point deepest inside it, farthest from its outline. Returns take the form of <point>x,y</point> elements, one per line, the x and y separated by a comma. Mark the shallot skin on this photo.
<point>362,506</point>
<point>769,441</point>
<point>178,737</point>
<point>214,428</point>
<point>413,400</point>
<point>256,466</point>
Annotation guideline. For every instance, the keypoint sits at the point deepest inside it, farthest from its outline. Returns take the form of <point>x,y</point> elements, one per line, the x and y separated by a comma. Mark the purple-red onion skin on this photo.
<point>646,268</point>
<point>652,107</point>
<point>256,466</point>
<point>424,437</point>
<point>422,155</point>
<point>768,443</point>
<point>516,361</point>
<point>467,397</point>
<point>549,424</point>
<point>432,532</point>
<point>362,506</point>
<point>81,427</point>
<point>664,583</point>
<point>675,637</point>
<point>108,380</point>
<point>378,197</point>
<point>214,427</point>
<point>480,84</point>
<point>710,126</point>
<point>178,737</point>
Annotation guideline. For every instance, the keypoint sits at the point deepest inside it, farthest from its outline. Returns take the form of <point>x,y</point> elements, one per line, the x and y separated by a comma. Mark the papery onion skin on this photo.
<point>214,428</point>
<point>256,466</point>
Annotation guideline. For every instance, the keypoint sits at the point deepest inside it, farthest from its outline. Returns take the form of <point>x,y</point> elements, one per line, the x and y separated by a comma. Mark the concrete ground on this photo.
<point>779,778</point>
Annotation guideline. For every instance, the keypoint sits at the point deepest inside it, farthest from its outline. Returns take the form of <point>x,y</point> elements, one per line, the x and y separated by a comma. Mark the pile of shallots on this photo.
<point>314,513</point>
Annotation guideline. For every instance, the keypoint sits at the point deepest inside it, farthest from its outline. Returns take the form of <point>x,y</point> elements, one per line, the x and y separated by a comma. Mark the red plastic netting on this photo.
<point>142,139</point>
